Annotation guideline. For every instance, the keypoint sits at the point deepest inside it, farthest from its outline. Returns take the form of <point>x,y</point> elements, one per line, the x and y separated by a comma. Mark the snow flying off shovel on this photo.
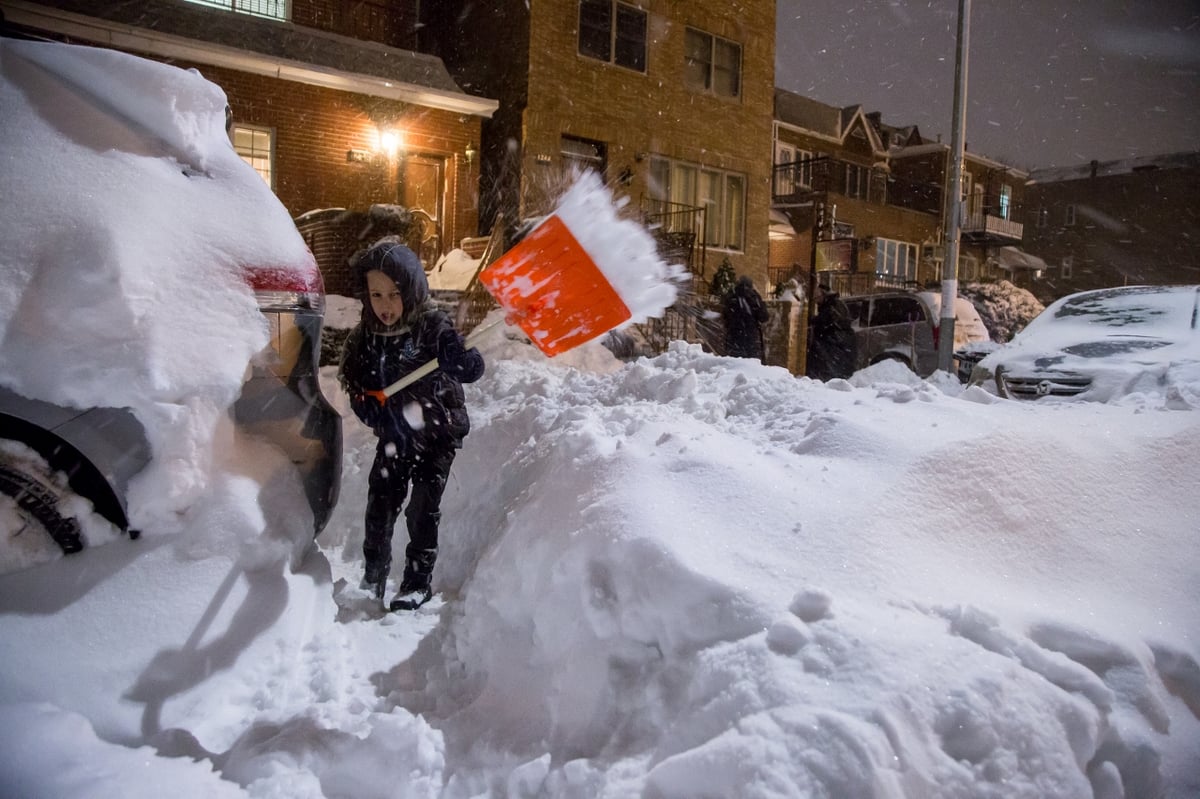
<point>551,288</point>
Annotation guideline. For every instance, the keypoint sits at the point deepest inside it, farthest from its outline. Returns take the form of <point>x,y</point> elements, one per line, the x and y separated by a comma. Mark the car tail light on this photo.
<point>292,300</point>
<point>290,288</point>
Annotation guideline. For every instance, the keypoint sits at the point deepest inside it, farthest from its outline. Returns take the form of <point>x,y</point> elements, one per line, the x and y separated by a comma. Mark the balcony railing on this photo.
<point>679,232</point>
<point>987,220</point>
<point>795,183</point>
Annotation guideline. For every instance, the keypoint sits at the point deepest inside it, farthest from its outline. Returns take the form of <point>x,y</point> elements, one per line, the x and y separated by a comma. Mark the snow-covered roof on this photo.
<point>1104,169</point>
<point>256,45</point>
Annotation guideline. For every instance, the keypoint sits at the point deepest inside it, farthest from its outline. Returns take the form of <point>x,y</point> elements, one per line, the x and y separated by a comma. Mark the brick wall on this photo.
<point>316,127</point>
<point>636,114</point>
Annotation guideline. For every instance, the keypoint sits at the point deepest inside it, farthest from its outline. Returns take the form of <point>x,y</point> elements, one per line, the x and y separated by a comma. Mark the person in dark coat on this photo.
<point>421,427</point>
<point>832,348</point>
<point>744,313</point>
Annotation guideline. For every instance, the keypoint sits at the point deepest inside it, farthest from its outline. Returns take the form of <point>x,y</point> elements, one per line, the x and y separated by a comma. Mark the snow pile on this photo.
<point>685,576</point>
<point>1005,309</point>
<point>453,271</point>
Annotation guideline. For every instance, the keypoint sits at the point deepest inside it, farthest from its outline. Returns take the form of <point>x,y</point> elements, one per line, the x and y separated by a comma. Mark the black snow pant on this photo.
<point>387,487</point>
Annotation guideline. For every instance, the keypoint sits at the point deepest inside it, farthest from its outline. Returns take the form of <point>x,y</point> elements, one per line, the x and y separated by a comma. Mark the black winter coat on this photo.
<point>744,313</point>
<point>832,349</point>
<point>429,414</point>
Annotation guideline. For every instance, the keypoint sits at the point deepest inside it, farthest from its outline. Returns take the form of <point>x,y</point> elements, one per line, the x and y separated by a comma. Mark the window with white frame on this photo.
<point>896,260</point>
<point>256,147</point>
<point>712,64</point>
<point>785,169</point>
<point>613,32</point>
<point>720,193</point>
<point>858,181</point>
<point>804,168</point>
<point>1070,220</point>
<point>273,9</point>
<point>1006,201</point>
<point>1067,267</point>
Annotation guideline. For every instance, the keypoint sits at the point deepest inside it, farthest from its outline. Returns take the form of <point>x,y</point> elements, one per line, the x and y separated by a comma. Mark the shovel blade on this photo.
<point>553,289</point>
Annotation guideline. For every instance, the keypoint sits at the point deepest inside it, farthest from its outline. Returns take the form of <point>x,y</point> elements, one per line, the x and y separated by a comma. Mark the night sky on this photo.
<point>1050,82</point>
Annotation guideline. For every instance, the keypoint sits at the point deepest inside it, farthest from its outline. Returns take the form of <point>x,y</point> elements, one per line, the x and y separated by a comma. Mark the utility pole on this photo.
<point>954,204</point>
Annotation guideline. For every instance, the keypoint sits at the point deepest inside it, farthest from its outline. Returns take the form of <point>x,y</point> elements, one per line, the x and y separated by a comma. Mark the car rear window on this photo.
<point>896,311</point>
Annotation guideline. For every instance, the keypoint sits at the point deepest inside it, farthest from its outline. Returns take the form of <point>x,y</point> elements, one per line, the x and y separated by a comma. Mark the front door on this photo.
<point>423,189</point>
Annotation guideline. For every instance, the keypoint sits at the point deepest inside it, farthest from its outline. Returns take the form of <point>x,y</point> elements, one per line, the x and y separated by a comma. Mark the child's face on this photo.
<point>385,298</point>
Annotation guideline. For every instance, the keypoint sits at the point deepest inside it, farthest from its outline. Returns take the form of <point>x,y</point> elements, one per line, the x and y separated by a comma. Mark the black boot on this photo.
<point>415,588</point>
<point>374,581</point>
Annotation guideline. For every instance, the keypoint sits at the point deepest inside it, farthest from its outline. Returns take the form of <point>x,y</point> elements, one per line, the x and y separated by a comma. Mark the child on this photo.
<point>420,427</point>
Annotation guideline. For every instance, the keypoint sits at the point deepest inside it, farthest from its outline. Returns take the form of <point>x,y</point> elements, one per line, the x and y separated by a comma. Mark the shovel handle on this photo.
<point>431,366</point>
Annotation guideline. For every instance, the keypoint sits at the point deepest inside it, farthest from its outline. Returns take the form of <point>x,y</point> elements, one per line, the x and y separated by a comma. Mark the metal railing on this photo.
<point>679,231</point>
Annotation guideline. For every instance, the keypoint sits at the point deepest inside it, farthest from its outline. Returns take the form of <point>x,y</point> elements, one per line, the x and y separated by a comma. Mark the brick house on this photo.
<point>670,102</point>
<point>329,101</point>
<point>874,195</point>
<point>1115,223</point>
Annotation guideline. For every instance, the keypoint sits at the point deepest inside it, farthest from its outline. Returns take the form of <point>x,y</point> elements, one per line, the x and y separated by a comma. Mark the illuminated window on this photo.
<point>896,260</point>
<point>1006,201</point>
<point>712,64</point>
<point>255,146</point>
<point>721,194</point>
<point>272,9</point>
<point>613,32</point>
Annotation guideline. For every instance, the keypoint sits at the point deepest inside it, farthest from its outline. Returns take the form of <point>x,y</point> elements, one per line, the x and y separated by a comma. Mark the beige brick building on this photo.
<point>670,102</point>
<point>874,196</point>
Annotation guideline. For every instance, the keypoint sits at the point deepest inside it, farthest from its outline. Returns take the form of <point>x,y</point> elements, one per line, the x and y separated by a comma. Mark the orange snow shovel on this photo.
<point>551,288</point>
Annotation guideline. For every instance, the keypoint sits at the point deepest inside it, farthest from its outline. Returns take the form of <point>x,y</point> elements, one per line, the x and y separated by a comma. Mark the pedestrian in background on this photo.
<point>744,314</point>
<point>832,347</point>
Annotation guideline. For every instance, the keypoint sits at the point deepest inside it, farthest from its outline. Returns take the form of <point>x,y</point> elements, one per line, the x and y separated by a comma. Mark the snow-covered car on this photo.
<point>124,200</point>
<point>904,326</point>
<point>1101,345</point>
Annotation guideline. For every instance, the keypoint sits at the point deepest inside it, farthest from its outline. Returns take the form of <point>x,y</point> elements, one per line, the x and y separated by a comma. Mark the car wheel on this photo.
<point>37,498</point>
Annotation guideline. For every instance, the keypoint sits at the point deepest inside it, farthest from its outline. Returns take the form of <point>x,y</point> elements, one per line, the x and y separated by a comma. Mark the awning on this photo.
<point>781,226</point>
<point>1012,258</point>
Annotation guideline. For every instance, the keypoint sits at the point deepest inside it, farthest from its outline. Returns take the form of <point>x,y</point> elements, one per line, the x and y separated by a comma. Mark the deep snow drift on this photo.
<point>686,576</point>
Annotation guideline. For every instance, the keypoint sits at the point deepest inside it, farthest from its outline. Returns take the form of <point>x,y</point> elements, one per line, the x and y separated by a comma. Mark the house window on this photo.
<point>1070,221</point>
<point>255,146</point>
<point>804,168</point>
<point>613,32</point>
<point>1043,216</point>
<point>584,154</point>
<point>785,169</point>
<point>793,169</point>
<point>858,181</point>
<point>273,9</point>
<point>895,260</point>
<point>1006,201</point>
<point>1068,265</point>
<point>721,194</point>
<point>712,64</point>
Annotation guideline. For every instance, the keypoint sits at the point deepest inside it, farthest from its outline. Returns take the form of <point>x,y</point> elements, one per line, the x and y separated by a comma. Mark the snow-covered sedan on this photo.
<point>1101,346</point>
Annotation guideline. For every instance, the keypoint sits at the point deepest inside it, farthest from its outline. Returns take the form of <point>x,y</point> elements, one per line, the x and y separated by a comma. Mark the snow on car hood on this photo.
<point>125,201</point>
<point>1128,340</point>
